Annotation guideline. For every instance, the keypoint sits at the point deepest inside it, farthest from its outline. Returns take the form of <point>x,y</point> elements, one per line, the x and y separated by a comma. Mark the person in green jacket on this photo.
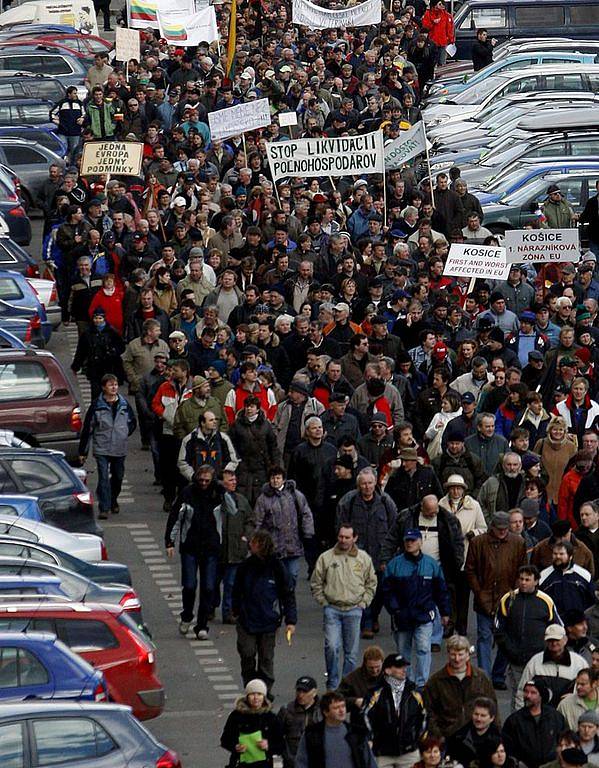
<point>100,115</point>
<point>190,410</point>
<point>558,212</point>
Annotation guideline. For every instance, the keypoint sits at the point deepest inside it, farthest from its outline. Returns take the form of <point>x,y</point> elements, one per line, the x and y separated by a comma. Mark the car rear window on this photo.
<point>86,740</point>
<point>23,380</point>
<point>86,635</point>
<point>35,474</point>
<point>9,289</point>
<point>11,745</point>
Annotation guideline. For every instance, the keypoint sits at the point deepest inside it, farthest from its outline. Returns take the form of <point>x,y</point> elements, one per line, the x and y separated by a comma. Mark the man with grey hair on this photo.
<point>197,280</point>
<point>475,379</point>
<point>486,443</point>
<point>371,513</point>
<point>504,489</point>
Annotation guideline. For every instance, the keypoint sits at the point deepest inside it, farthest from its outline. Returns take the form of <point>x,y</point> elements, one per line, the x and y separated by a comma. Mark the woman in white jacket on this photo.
<point>451,407</point>
<point>469,513</point>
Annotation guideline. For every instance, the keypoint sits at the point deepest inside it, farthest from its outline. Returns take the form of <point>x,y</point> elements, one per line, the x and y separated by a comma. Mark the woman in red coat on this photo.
<point>110,298</point>
<point>441,32</point>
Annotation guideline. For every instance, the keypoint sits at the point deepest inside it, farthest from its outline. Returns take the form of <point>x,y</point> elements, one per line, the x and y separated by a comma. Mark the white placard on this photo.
<point>476,261</point>
<point>238,119</point>
<point>127,44</point>
<point>287,118</point>
<point>119,158</point>
<point>188,30</point>
<point>548,245</point>
<point>406,146</point>
<point>144,13</point>
<point>342,156</point>
<point>307,14</point>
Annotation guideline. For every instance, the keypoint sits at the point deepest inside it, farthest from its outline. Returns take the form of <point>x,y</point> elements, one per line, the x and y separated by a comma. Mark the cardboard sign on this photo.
<point>118,158</point>
<point>548,245</point>
<point>307,14</point>
<point>343,156</point>
<point>238,119</point>
<point>127,44</point>
<point>476,261</point>
<point>287,118</point>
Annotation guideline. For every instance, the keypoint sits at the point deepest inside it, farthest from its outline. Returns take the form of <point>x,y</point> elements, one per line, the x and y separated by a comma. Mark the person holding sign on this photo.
<point>252,733</point>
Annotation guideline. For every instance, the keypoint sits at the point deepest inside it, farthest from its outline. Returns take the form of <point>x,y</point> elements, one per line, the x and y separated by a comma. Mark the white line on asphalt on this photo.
<point>219,678</point>
<point>225,687</point>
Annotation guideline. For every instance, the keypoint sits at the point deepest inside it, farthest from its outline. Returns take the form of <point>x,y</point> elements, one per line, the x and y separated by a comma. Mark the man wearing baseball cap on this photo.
<point>295,716</point>
<point>413,588</point>
<point>395,715</point>
<point>555,666</point>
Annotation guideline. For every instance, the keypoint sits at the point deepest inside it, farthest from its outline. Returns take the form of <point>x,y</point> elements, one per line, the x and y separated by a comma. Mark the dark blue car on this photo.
<point>37,665</point>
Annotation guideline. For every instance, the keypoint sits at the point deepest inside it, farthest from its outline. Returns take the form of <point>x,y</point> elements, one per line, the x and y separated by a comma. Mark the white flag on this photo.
<point>187,30</point>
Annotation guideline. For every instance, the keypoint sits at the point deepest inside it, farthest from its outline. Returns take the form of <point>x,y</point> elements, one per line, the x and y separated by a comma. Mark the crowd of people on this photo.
<point>310,387</point>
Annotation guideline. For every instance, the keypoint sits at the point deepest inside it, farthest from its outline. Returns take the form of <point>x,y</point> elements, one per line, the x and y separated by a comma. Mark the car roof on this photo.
<point>53,708</point>
<point>564,120</point>
<point>29,352</point>
<point>24,579</point>
<point>573,67</point>
<point>12,73</point>
<point>42,48</point>
<point>20,638</point>
<point>17,497</point>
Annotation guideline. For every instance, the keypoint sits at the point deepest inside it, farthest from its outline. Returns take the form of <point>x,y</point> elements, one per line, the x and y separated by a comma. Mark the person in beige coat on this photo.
<point>472,521</point>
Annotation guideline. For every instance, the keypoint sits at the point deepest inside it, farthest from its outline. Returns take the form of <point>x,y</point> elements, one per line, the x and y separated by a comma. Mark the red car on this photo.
<point>83,46</point>
<point>107,638</point>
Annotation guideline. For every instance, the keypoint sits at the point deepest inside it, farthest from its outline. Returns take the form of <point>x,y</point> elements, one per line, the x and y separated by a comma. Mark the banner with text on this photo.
<point>406,146</point>
<point>552,245</point>
<point>343,156</point>
<point>238,119</point>
<point>118,158</point>
<point>476,261</point>
<point>188,30</point>
<point>307,14</point>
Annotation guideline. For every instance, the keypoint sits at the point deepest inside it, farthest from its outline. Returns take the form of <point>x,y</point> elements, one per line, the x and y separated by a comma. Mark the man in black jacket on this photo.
<point>482,49</point>
<point>262,595</point>
<point>475,739</point>
<point>347,742</point>
<point>147,309</point>
<point>412,481</point>
<point>395,715</point>
<point>590,216</point>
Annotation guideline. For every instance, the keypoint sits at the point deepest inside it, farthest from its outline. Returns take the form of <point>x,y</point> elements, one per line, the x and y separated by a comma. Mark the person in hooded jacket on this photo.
<point>192,520</point>
<point>253,715</point>
<point>283,511</point>
<point>98,352</point>
<point>295,716</point>
<point>263,596</point>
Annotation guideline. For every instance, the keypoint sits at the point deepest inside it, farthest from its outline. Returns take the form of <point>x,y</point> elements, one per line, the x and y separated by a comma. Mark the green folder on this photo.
<point>253,753</point>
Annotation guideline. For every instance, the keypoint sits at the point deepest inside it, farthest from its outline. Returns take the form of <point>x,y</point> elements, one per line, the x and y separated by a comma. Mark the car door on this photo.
<point>89,743</point>
<point>12,745</point>
<point>24,676</point>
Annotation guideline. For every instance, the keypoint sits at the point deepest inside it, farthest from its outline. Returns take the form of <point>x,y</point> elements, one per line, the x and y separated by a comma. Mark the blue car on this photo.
<point>41,134</point>
<point>12,586</point>
<point>37,665</point>
<point>513,179</point>
<point>21,506</point>
<point>19,300</point>
<point>8,340</point>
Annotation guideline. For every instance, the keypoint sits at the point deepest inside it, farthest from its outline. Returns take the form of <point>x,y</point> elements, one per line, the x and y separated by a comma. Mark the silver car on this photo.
<point>30,161</point>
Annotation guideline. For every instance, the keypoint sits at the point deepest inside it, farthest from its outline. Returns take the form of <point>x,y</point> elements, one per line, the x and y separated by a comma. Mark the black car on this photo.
<point>62,496</point>
<point>13,257</point>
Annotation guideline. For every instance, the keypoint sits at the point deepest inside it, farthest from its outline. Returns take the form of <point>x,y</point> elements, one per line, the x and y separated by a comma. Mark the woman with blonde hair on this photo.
<point>555,451</point>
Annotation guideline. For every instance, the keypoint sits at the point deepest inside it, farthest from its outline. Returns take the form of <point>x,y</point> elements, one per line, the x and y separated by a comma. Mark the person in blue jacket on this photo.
<point>413,586</point>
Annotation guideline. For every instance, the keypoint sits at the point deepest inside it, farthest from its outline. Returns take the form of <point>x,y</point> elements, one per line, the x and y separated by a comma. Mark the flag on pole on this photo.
<point>232,41</point>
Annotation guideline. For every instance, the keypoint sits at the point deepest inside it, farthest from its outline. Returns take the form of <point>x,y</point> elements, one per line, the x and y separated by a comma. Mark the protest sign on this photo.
<point>406,146</point>
<point>118,158</point>
<point>476,261</point>
<point>127,44</point>
<point>287,118</point>
<point>307,14</point>
<point>341,156</point>
<point>238,119</point>
<point>548,245</point>
<point>185,29</point>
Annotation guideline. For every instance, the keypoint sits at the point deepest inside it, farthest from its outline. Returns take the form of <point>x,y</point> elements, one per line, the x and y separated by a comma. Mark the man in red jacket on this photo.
<point>441,32</point>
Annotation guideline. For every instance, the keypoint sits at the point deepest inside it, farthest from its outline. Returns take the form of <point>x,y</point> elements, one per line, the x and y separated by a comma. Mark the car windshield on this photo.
<point>501,116</point>
<point>499,156</point>
<point>478,92</point>
<point>504,181</point>
<point>533,189</point>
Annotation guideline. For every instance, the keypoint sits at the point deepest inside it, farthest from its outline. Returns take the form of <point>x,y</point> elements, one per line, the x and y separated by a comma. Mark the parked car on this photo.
<point>107,638</point>
<point>13,213</point>
<point>8,340</point>
<point>523,18</point>
<point>76,587</point>
<point>27,331</point>
<point>17,587</point>
<point>98,735</point>
<point>85,546</point>
<point>48,297</point>
<point>30,161</point>
<point>15,258</point>
<point>37,401</point>
<point>540,78</point>
<point>19,299</point>
<point>104,572</point>
<point>87,44</point>
<point>28,111</point>
<point>37,665</point>
<point>46,60</point>
<point>519,208</point>
<point>26,85</point>
<point>458,83</point>
<point>21,506</point>
<point>39,134</point>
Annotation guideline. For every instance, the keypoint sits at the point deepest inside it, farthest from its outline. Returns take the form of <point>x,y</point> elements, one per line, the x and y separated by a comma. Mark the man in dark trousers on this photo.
<point>262,596</point>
